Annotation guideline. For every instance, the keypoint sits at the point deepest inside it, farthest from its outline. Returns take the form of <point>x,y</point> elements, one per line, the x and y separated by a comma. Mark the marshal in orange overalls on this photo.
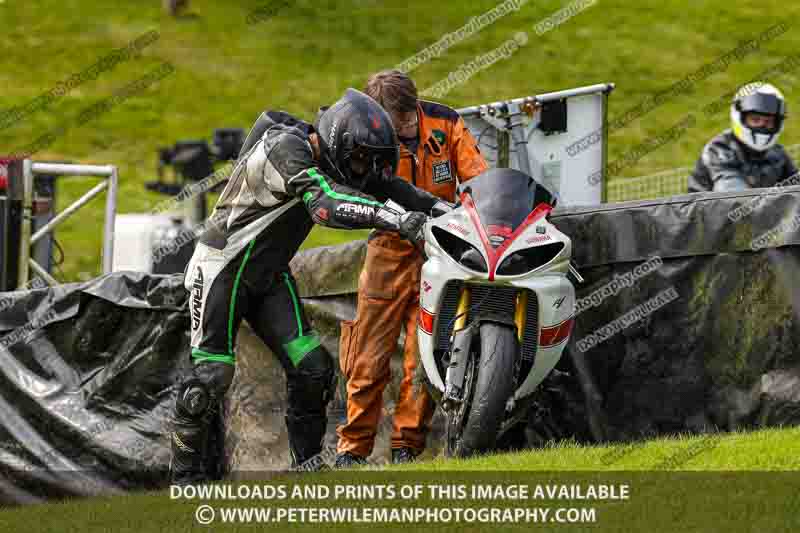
<point>388,294</point>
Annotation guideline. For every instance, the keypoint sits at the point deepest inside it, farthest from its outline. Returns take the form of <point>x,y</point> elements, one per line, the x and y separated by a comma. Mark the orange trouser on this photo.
<point>388,300</point>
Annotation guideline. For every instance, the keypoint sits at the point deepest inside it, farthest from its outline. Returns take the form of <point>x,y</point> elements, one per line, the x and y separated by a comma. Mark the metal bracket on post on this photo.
<point>508,119</point>
<point>526,131</point>
<point>516,125</point>
<point>503,149</point>
<point>494,116</point>
<point>501,124</point>
<point>59,169</point>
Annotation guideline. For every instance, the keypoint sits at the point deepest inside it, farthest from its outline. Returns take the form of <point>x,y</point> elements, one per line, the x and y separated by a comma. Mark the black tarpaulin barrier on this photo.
<point>86,385</point>
<point>711,336</point>
<point>86,390</point>
<point>688,225</point>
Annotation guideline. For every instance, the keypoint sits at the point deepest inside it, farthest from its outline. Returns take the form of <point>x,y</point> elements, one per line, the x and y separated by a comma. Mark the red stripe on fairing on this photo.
<point>554,335</point>
<point>492,253</point>
<point>469,205</point>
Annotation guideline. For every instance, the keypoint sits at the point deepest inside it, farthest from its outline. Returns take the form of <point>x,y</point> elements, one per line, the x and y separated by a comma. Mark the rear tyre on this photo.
<point>493,385</point>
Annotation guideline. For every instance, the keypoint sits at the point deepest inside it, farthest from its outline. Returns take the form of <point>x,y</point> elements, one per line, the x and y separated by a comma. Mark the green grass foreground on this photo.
<point>307,52</point>
<point>770,449</point>
<point>701,469</point>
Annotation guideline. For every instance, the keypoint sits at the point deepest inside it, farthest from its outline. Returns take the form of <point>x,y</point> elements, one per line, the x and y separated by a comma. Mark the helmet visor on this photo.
<point>374,162</point>
<point>766,104</point>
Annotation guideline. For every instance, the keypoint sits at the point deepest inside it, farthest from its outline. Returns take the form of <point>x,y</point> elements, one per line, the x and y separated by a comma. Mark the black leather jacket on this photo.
<point>728,165</point>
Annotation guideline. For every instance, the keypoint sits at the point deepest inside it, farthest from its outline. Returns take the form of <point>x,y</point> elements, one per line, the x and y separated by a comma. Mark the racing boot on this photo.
<point>305,439</point>
<point>198,399</point>
<point>310,385</point>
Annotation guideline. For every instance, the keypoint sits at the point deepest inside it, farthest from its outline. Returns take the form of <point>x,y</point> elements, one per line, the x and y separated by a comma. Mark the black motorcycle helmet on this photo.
<point>357,130</point>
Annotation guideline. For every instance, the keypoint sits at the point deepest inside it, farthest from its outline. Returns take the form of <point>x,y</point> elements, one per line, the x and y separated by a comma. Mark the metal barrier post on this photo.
<point>25,225</point>
<point>26,239</point>
<point>66,213</point>
<point>108,230</point>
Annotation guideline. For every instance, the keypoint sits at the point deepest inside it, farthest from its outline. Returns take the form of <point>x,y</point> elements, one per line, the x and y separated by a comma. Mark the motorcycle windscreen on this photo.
<point>504,197</point>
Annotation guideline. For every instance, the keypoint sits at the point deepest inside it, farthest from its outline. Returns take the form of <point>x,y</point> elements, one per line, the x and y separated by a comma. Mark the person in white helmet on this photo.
<point>747,155</point>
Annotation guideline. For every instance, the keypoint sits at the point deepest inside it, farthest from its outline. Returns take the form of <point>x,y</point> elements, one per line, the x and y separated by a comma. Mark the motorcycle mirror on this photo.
<point>575,273</point>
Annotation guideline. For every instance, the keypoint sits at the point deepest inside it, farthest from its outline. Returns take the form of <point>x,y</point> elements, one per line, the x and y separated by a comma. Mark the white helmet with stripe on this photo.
<point>763,99</point>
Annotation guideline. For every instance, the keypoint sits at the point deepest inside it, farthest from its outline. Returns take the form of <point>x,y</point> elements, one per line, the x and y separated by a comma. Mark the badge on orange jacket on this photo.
<point>441,172</point>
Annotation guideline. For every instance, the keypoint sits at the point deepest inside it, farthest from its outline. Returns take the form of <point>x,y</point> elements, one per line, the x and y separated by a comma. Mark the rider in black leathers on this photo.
<point>747,156</point>
<point>290,174</point>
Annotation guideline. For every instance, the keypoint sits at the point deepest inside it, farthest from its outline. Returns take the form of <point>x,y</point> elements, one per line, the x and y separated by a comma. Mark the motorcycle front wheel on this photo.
<point>489,382</point>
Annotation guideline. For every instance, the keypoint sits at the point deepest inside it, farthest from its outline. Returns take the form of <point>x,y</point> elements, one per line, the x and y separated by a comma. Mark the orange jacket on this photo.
<point>446,150</point>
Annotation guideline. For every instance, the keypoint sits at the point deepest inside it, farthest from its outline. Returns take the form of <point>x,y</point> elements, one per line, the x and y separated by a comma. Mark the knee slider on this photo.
<point>194,399</point>
<point>317,362</point>
<point>312,382</point>
<point>208,384</point>
<point>317,366</point>
<point>216,376</point>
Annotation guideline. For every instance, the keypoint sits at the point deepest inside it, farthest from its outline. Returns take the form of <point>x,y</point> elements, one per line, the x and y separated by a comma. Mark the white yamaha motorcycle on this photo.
<point>496,305</point>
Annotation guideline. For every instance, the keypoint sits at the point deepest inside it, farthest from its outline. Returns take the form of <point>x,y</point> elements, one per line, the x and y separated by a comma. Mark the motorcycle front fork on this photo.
<point>461,341</point>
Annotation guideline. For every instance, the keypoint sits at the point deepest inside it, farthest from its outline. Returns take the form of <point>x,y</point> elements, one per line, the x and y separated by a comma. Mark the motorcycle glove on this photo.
<point>409,224</point>
<point>412,225</point>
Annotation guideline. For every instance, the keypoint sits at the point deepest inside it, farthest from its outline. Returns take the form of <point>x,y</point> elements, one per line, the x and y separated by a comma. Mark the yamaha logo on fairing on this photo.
<point>538,238</point>
<point>197,298</point>
<point>460,229</point>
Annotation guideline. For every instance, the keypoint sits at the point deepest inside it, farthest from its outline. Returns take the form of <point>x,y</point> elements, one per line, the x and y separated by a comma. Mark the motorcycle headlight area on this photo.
<point>460,250</point>
<point>523,261</point>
